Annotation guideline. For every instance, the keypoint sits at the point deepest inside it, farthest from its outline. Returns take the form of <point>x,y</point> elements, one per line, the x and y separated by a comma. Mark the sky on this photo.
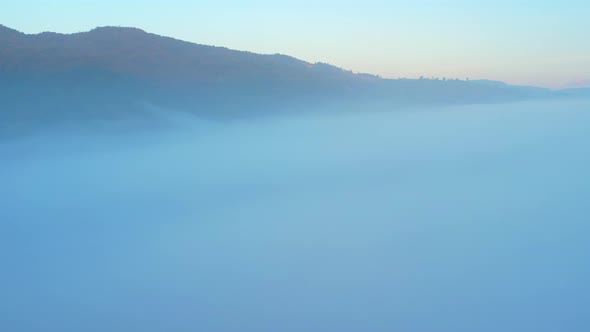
<point>528,42</point>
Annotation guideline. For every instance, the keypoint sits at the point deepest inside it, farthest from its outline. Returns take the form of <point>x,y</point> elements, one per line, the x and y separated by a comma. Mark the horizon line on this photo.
<point>583,84</point>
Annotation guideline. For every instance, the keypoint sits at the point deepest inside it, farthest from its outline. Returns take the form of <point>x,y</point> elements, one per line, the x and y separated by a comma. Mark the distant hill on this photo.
<point>111,72</point>
<point>576,92</point>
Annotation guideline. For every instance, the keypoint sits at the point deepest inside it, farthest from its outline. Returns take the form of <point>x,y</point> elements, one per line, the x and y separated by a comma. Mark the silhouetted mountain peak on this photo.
<point>117,30</point>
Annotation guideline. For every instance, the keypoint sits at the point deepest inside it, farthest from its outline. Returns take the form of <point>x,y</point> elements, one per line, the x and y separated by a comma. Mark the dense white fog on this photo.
<point>472,218</point>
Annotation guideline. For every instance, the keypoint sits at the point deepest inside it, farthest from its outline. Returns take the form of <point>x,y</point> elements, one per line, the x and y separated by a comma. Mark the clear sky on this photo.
<point>535,42</point>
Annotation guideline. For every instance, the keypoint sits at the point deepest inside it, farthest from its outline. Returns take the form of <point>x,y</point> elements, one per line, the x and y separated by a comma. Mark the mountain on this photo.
<point>111,72</point>
<point>576,92</point>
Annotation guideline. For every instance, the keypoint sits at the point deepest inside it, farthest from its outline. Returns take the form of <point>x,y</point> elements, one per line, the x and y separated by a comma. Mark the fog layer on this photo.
<point>469,218</point>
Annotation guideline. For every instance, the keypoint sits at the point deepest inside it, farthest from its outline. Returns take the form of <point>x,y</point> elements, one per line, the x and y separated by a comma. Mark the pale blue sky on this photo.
<point>539,42</point>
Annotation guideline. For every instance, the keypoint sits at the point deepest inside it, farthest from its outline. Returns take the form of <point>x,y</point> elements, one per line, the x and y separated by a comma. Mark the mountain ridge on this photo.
<point>135,43</point>
<point>108,72</point>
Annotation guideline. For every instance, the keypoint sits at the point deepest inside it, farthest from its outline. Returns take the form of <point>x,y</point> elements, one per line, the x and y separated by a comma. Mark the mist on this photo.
<point>459,218</point>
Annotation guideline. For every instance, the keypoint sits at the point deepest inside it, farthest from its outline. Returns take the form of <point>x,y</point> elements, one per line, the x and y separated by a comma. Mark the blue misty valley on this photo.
<point>455,218</point>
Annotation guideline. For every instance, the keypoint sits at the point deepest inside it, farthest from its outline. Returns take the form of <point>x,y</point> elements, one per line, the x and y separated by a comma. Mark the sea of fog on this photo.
<point>471,218</point>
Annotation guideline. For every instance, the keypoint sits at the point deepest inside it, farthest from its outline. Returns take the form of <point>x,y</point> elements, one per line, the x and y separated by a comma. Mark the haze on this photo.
<point>467,218</point>
<point>264,166</point>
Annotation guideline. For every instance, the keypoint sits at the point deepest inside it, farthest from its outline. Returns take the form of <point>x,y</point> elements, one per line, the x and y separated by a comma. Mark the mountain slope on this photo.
<point>111,72</point>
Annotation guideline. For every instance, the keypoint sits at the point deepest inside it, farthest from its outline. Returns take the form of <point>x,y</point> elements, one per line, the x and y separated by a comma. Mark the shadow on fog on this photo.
<point>460,219</point>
